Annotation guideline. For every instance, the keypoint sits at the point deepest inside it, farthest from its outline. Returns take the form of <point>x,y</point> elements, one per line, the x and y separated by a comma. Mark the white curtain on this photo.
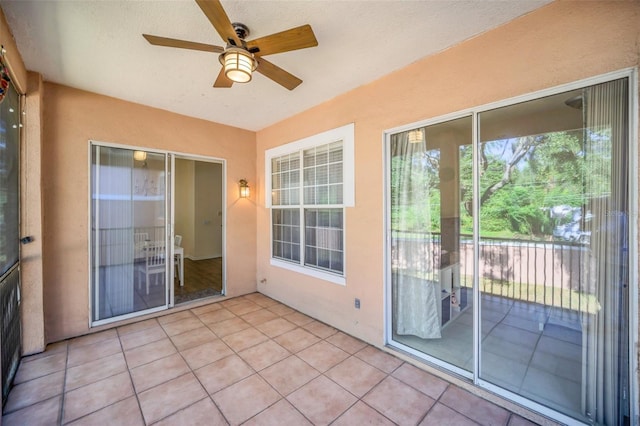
<point>114,291</point>
<point>605,272</point>
<point>415,282</point>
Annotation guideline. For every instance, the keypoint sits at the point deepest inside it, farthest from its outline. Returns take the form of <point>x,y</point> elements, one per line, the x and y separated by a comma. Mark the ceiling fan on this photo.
<point>241,57</point>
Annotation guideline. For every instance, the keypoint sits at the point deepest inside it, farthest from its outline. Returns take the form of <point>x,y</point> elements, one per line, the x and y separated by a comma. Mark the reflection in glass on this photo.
<point>553,251</point>
<point>431,295</point>
<point>9,179</point>
<point>129,249</point>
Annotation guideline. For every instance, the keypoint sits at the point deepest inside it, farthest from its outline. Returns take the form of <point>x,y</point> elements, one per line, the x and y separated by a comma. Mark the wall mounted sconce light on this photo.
<point>139,155</point>
<point>244,188</point>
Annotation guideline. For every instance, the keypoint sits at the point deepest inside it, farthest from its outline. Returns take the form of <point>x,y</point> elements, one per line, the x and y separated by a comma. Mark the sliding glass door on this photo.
<point>554,207</point>
<point>508,254</point>
<point>10,334</point>
<point>432,297</point>
<point>130,257</point>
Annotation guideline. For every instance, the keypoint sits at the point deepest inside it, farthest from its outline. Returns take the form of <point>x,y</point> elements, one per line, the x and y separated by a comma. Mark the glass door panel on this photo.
<point>10,334</point>
<point>553,275</point>
<point>129,239</point>
<point>431,252</point>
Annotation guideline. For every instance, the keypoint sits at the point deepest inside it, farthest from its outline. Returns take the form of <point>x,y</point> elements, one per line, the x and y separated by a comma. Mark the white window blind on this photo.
<point>323,174</point>
<point>309,182</point>
<point>285,180</point>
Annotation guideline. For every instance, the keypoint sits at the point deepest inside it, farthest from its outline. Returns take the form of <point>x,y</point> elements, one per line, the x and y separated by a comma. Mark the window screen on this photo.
<point>9,179</point>
<point>319,211</point>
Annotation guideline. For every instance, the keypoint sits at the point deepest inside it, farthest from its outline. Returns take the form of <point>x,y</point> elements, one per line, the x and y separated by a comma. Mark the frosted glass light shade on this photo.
<point>238,64</point>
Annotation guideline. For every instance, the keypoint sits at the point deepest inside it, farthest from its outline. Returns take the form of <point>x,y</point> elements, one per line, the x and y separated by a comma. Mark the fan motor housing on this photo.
<point>242,31</point>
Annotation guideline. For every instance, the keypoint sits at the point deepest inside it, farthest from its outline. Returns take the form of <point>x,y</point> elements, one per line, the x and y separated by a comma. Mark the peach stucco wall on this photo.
<point>31,218</point>
<point>31,308</point>
<point>73,117</point>
<point>559,43</point>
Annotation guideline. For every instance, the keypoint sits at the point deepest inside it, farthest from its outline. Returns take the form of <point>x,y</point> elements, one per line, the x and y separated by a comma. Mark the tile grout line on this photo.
<point>198,379</point>
<point>255,371</point>
<point>208,396</point>
<point>324,374</point>
<point>509,419</point>
<point>126,363</point>
<point>258,373</point>
<point>435,402</point>
<point>282,397</point>
<point>533,352</point>
<point>64,385</point>
<point>80,387</point>
<point>8,412</point>
<point>104,378</point>
<point>509,412</point>
<point>360,399</point>
<point>191,370</point>
<point>351,355</point>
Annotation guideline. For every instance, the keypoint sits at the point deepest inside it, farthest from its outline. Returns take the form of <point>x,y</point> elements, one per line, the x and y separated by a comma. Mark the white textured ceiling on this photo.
<point>98,46</point>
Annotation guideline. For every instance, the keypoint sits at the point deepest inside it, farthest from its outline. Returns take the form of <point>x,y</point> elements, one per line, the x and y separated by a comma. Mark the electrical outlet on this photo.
<point>357,303</point>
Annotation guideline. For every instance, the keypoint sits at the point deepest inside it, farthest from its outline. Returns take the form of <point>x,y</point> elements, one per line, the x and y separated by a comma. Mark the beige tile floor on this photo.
<point>247,360</point>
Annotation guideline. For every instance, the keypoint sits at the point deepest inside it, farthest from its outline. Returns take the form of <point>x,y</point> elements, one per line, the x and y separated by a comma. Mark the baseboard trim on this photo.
<point>195,258</point>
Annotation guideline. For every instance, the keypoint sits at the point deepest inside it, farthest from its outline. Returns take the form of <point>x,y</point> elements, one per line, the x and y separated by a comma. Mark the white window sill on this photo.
<point>326,276</point>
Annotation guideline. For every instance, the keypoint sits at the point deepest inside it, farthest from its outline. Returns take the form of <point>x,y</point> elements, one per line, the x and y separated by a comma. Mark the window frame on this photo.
<point>345,134</point>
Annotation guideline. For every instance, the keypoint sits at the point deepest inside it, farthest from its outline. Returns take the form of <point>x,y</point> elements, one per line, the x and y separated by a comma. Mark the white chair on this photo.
<point>140,239</point>
<point>154,264</point>
<point>179,258</point>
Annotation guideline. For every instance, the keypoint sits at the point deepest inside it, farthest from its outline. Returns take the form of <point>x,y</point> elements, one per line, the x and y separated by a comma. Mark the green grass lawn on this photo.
<point>536,293</point>
<point>531,293</point>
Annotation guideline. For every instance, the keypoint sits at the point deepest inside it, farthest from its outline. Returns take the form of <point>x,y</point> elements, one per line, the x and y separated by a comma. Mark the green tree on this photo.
<point>521,179</point>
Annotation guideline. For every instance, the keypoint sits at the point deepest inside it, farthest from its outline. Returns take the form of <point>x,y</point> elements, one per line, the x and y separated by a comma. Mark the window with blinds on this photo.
<point>321,181</point>
<point>307,182</point>
<point>323,174</point>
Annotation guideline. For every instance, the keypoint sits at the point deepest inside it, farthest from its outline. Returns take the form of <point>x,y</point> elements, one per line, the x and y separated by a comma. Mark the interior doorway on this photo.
<point>198,228</point>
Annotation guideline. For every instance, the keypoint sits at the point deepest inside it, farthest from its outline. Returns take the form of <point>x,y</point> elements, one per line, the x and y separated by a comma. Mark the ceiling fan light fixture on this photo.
<point>238,64</point>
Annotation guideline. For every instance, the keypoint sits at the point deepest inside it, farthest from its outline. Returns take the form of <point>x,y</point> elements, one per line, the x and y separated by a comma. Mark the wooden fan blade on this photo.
<point>277,74</point>
<point>219,19</point>
<point>222,80</point>
<point>285,41</point>
<point>182,44</point>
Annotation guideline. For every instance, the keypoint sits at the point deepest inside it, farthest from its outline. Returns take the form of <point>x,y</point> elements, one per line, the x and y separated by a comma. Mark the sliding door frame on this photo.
<point>90,243</point>
<point>388,299</point>
<point>170,157</point>
<point>631,74</point>
<point>223,163</point>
